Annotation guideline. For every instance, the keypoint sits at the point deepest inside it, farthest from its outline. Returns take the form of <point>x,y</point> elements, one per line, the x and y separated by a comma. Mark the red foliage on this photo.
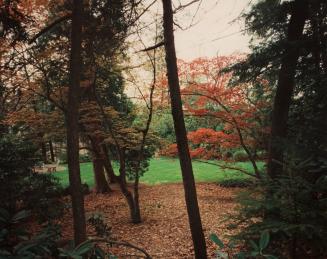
<point>207,93</point>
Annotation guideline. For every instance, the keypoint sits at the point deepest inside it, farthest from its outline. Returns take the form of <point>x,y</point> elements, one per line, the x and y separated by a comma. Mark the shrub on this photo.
<point>17,242</point>
<point>85,158</point>
<point>23,189</point>
<point>293,210</point>
<point>63,158</point>
<point>240,156</point>
<point>233,183</point>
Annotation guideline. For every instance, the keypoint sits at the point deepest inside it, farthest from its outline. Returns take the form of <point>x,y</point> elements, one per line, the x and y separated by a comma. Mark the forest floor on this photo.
<point>164,232</point>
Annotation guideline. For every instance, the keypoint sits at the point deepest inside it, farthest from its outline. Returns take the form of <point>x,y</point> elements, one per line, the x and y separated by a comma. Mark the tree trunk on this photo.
<point>285,88</point>
<point>101,184</point>
<point>72,117</point>
<point>181,136</point>
<point>134,208</point>
<point>108,166</point>
<point>44,152</point>
<point>51,151</point>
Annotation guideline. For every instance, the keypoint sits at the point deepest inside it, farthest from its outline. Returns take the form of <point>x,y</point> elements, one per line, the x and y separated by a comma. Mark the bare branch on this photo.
<point>50,26</point>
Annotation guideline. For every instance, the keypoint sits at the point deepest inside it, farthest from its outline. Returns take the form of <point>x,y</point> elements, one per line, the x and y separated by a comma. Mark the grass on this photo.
<point>165,170</point>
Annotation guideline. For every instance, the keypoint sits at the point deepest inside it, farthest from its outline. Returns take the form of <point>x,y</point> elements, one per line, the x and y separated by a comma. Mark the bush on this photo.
<point>63,158</point>
<point>234,183</point>
<point>85,158</point>
<point>293,210</point>
<point>23,189</point>
<point>240,156</point>
<point>17,242</point>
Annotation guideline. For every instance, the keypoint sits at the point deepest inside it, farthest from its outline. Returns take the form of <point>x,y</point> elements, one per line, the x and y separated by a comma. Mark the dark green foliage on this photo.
<point>41,194</point>
<point>255,249</point>
<point>293,206</point>
<point>293,209</point>
<point>85,158</point>
<point>16,242</point>
<point>236,183</point>
<point>23,189</point>
<point>136,162</point>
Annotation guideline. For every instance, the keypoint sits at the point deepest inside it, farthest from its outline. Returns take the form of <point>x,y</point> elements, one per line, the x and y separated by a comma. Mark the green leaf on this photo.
<point>240,255</point>
<point>254,253</point>
<point>254,245</point>
<point>4,215</point>
<point>264,240</point>
<point>270,257</point>
<point>23,214</point>
<point>214,238</point>
<point>84,247</point>
<point>99,252</point>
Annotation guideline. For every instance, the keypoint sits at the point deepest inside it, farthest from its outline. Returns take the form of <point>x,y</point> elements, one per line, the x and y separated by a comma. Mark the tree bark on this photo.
<point>52,155</point>
<point>285,86</point>
<point>108,166</point>
<point>44,152</point>
<point>72,117</point>
<point>133,206</point>
<point>181,136</point>
<point>101,184</point>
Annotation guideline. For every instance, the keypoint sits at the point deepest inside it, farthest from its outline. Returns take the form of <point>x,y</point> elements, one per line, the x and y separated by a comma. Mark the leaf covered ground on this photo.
<point>164,232</point>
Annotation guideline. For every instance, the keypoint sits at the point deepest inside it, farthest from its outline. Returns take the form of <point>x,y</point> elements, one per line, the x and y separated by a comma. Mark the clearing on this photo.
<point>165,170</point>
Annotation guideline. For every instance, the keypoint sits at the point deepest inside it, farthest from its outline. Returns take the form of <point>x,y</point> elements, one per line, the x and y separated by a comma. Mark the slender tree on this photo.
<point>181,135</point>
<point>285,86</point>
<point>72,116</point>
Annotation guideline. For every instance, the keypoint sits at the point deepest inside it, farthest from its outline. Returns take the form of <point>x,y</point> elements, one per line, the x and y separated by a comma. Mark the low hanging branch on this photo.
<point>227,167</point>
<point>50,26</point>
<point>158,45</point>
<point>122,243</point>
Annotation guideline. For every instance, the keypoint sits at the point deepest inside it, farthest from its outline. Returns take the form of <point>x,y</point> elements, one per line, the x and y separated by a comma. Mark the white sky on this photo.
<point>213,20</point>
<point>215,32</point>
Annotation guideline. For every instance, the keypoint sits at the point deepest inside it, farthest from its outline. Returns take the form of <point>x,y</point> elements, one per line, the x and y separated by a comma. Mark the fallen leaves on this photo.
<point>164,232</point>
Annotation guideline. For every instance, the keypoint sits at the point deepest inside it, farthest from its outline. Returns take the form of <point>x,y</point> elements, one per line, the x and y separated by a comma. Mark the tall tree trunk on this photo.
<point>72,117</point>
<point>181,137</point>
<point>51,151</point>
<point>44,152</point>
<point>285,87</point>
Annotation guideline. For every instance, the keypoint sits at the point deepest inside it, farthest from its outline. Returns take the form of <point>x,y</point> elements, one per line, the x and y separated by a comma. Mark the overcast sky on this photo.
<point>214,31</point>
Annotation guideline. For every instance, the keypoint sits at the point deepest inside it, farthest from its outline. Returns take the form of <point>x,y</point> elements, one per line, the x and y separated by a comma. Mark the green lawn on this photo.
<point>164,170</point>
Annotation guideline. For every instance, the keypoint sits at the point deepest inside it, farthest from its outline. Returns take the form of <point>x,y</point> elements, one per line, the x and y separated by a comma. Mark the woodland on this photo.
<point>111,146</point>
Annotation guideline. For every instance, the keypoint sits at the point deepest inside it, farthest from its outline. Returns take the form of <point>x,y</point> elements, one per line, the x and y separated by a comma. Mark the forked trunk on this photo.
<point>101,184</point>
<point>108,165</point>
